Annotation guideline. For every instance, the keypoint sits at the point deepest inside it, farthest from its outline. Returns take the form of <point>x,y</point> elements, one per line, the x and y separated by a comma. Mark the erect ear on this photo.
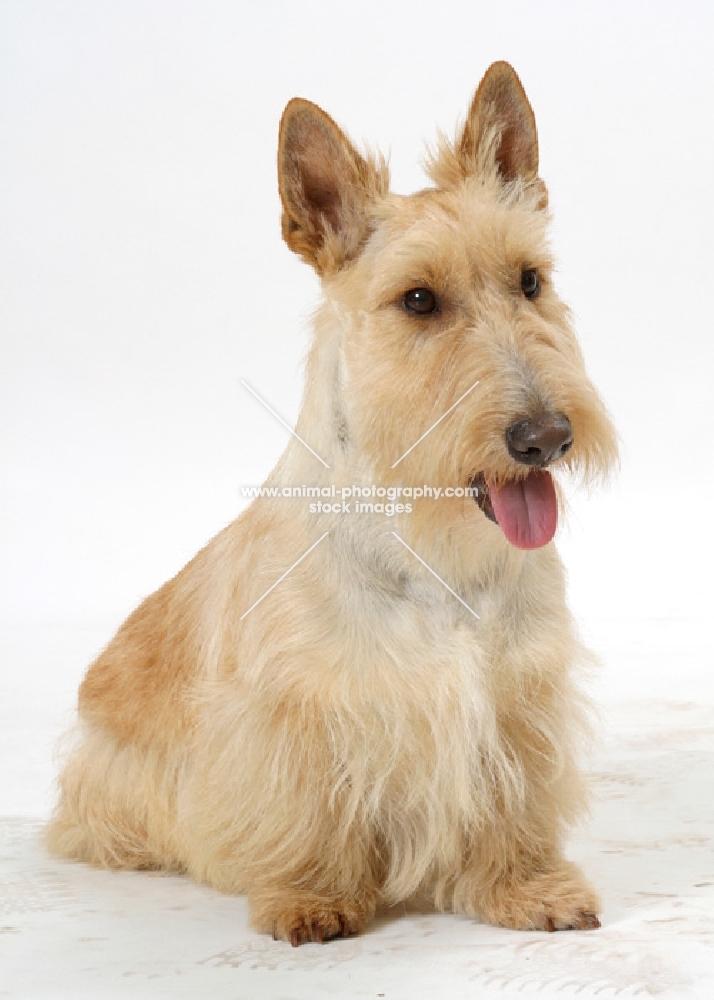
<point>501,115</point>
<point>326,187</point>
<point>499,134</point>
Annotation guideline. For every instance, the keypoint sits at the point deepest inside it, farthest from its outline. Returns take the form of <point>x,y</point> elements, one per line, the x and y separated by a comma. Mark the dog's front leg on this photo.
<point>529,893</point>
<point>284,829</point>
<point>327,889</point>
<point>296,914</point>
<point>514,875</point>
<point>513,870</point>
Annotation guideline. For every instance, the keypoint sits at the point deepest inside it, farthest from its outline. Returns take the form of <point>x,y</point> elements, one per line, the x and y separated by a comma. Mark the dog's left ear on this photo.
<point>501,113</point>
<point>500,131</point>
<point>325,186</point>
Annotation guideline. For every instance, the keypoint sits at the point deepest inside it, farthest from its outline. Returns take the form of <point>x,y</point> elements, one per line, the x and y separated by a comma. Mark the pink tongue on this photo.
<point>527,511</point>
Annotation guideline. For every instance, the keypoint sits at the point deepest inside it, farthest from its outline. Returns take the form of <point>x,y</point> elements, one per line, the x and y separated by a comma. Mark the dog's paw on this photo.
<point>302,917</point>
<point>559,900</point>
<point>299,927</point>
<point>581,920</point>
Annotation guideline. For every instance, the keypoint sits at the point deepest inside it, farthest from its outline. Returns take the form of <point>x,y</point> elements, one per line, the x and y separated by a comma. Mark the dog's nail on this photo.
<point>295,937</point>
<point>549,924</point>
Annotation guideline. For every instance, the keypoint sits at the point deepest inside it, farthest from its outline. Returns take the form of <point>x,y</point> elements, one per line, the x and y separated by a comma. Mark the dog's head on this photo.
<point>441,309</point>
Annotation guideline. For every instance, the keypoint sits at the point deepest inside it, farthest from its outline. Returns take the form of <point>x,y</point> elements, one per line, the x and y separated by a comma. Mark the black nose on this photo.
<point>539,440</point>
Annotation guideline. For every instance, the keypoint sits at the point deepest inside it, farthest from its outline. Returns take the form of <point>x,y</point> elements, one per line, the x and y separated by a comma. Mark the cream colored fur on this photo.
<point>360,737</point>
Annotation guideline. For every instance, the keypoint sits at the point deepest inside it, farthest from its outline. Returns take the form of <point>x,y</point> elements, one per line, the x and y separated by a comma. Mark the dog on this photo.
<point>335,708</point>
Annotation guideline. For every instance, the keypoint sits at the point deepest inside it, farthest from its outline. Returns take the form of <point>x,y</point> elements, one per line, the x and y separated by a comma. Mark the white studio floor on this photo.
<point>68,931</point>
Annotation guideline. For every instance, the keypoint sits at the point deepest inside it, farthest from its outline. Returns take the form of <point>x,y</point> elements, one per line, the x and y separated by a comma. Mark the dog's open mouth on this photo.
<point>526,510</point>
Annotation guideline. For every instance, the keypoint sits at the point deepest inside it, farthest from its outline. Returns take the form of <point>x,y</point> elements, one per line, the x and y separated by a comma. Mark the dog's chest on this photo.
<point>407,624</point>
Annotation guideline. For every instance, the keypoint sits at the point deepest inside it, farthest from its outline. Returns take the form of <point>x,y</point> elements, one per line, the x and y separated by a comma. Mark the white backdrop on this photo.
<point>142,276</point>
<point>142,273</point>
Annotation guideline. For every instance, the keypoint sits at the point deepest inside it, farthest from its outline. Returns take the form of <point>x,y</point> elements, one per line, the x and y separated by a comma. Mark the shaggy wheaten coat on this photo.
<point>360,736</point>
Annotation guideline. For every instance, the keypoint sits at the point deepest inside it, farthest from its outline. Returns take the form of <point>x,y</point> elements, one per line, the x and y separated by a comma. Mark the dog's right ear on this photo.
<point>325,186</point>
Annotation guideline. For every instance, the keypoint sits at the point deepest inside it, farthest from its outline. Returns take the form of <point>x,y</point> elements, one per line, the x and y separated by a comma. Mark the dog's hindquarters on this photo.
<point>117,805</point>
<point>121,780</point>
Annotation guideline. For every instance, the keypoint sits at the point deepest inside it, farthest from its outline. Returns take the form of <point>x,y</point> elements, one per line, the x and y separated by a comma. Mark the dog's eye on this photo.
<point>420,301</point>
<point>530,283</point>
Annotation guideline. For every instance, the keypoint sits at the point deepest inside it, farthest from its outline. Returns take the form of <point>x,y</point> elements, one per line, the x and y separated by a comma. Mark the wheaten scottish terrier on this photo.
<point>398,717</point>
